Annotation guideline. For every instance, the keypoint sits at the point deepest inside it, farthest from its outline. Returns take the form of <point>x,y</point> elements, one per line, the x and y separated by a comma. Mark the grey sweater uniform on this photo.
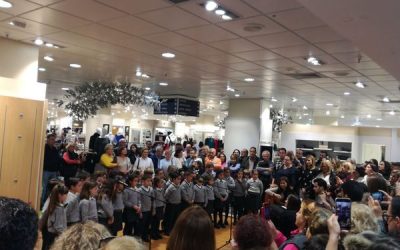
<point>159,197</point>
<point>118,203</point>
<point>88,209</point>
<point>57,221</point>
<point>240,188</point>
<point>200,194</point>
<point>254,186</point>
<point>145,198</point>
<point>187,191</point>
<point>209,193</point>
<point>220,188</point>
<point>131,197</point>
<point>105,207</point>
<point>231,184</point>
<point>72,208</point>
<point>173,194</point>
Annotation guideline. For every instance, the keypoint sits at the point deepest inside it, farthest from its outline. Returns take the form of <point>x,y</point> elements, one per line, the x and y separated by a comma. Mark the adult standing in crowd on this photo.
<point>144,162</point>
<point>264,168</point>
<point>166,162</point>
<point>157,157</point>
<point>279,162</point>
<point>133,153</point>
<point>251,162</point>
<point>213,159</point>
<point>71,162</point>
<point>121,144</point>
<point>107,159</point>
<point>51,164</point>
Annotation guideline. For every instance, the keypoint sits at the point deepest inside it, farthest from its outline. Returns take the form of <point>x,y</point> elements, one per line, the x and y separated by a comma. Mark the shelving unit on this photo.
<point>342,150</point>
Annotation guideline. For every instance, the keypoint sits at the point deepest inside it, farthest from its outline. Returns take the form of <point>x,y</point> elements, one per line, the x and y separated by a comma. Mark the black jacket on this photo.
<point>52,159</point>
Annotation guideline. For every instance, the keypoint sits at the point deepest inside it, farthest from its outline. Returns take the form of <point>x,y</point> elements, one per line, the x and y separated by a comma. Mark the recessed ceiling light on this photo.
<point>305,107</point>
<point>226,17</point>
<point>147,88</point>
<point>328,112</point>
<point>5,4</point>
<point>249,79</point>
<point>360,85</point>
<point>329,104</point>
<point>294,99</point>
<point>346,93</point>
<point>313,61</point>
<point>38,41</point>
<point>65,88</point>
<point>368,116</point>
<point>237,95</point>
<point>392,112</point>
<point>386,99</point>
<point>145,76</point>
<point>211,5</point>
<point>163,84</point>
<point>377,126</point>
<point>75,65</point>
<point>305,114</point>
<point>379,119</point>
<point>310,119</point>
<point>42,69</point>
<point>221,102</point>
<point>48,58</point>
<point>168,55</point>
<point>342,116</point>
<point>271,106</point>
<point>220,12</point>
<point>11,23</point>
<point>138,73</point>
<point>56,47</point>
<point>50,45</point>
<point>273,99</point>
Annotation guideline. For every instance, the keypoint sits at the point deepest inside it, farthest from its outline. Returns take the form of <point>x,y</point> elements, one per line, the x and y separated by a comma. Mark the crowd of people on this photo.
<point>286,201</point>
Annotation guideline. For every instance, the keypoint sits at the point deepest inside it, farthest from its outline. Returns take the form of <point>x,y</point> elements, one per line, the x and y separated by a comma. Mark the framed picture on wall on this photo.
<point>106,127</point>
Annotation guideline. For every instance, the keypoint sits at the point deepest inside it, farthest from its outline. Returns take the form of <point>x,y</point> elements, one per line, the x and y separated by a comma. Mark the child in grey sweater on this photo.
<point>87,203</point>
<point>254,192</point>
<point>147,203</point>
<point>75,187</point>
<point>131,198</point>
<point>200,193</point>
<point>173,198</point>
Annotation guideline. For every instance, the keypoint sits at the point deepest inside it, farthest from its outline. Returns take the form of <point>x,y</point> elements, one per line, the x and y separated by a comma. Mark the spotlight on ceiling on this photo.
<point>5,4</point>
<point>385,99</point>
<point>168,55</point>
<point>211,5</point>
<point>360,85</point>
<point>314,61</point>
<point>38,41</point>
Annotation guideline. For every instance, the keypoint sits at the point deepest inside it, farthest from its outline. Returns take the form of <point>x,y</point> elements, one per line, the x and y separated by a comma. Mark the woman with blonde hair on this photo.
<point>123,243</point>
<point>107,159</point>
<point>307,175</point>
<point>362,219</point>
<point>86,236</point>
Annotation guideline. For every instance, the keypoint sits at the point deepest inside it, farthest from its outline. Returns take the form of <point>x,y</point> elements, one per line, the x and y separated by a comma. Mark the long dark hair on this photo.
<point>193,230</point>
<point>55,193</point>
<point>85,193</point>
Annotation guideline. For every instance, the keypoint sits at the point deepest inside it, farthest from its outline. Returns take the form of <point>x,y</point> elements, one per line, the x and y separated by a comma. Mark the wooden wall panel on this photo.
<point>22,140</point>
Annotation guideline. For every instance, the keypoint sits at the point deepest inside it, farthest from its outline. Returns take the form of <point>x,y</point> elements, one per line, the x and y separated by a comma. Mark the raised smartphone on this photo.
<point>343,212</point>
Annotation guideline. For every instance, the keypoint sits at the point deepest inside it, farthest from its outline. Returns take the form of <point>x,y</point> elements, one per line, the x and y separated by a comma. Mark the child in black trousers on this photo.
<point>159,202</point>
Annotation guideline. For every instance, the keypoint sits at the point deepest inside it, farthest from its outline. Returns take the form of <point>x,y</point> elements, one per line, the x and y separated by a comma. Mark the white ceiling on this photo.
<point>113,38</point>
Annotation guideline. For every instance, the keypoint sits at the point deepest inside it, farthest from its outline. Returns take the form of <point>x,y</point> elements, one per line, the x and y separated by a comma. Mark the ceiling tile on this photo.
<point>20,7</point>
<point>44,2</point>
<point>319,34</point>
<point>279,40</point>
<point>337,47</point>
<point>136,6</point>
<point>298,51</point>
<point>235,45</point>
<point>54,18</point>
<point>373,72</point>
<point>244,66</point>
<point>170,39</point>
<point>88,9</point>
<point>364,65</point>
<point>267,26</point>
<point>142,46</point>
<point>269,6</point>
<point>297,19</point>
<point>4,16</point>
<point>381,79</point>
<point>181,19</point>
<point>133,25</point>
<point>258,55</point>
<point>330,67</point>
<point>199,50</point>
<point>351,57</point>
<point>31,27</point>
<point>101,33</point>
<point>207,33</point>
<point>14,34</point>
<point>224,59</point>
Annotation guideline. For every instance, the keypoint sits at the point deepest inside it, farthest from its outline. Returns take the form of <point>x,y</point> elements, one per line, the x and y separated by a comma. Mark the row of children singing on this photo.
<point>142,201</point>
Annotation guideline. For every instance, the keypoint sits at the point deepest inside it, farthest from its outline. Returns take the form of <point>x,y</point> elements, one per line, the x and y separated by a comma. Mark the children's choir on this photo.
<point>147,203</point>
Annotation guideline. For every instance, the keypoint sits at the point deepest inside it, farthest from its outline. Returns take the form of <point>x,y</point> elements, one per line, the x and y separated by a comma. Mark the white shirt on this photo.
<point>124,164</point>
<point>141,164</point>
<point>326,178</point>
<point>164,164</point>
<point>178,162</point>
